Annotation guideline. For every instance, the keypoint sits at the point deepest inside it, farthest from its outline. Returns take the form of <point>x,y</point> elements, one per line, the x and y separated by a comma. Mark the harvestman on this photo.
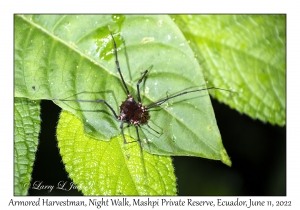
<point>132,112</point>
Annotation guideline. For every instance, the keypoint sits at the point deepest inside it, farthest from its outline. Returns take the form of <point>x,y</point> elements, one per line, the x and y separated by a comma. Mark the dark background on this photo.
<point>257,151</point>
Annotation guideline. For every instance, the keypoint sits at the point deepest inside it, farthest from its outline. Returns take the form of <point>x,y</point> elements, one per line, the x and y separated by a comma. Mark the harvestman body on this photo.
<point>132,112</point>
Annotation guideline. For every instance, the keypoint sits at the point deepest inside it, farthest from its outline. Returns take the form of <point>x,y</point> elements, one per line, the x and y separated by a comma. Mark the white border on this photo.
<point>154,6</point>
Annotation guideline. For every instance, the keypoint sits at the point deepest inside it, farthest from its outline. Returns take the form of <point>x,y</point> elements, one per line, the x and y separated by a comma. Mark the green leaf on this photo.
<point>26,130</point>
<point>244,53</point>
<point>66,56</point>
<point>111,168</point>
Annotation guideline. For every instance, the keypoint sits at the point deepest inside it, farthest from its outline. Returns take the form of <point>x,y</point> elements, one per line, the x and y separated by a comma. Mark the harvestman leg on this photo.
<point>138,136</point>
<point>122,131</point>
<point>138,86</point>
<point>160,102</point>
<point>123,81</point>
<point>93,101</point>
<point>117,63</point>
<point>139,97</point>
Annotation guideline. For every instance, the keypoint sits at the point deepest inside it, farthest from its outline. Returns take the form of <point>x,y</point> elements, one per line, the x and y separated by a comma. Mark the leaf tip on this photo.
<point>225,158</point>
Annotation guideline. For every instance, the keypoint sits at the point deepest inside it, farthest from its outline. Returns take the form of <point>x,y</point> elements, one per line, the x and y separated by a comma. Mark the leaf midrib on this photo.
<point>99,64</point>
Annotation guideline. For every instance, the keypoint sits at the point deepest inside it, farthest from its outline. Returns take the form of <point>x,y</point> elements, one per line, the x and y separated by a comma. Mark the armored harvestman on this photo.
<point>132,112</point>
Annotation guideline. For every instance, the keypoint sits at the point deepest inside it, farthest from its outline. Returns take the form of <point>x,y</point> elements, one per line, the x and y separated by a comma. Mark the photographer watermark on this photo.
<point>61,185</point>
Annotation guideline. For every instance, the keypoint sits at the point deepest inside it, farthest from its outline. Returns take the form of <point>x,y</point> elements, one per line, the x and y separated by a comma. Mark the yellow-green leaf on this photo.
<point>112,168</point>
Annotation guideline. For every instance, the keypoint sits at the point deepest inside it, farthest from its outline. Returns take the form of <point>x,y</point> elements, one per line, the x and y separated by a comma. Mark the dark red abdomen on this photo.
<point>133,113</point>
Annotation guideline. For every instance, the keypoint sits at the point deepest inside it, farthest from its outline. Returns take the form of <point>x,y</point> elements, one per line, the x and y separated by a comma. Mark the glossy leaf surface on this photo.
<point>66,56</point>
<point>244,53</point>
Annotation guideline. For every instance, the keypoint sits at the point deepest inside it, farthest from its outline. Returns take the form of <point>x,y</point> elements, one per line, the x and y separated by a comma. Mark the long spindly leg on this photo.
<point>122,132</point>
<point>138,86</point>
<point>142,154</point>
<point>117,62</point>
<point>158,103</point>
<point>138,135</point>
<point>152,129</point>
<point>92,101</point>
